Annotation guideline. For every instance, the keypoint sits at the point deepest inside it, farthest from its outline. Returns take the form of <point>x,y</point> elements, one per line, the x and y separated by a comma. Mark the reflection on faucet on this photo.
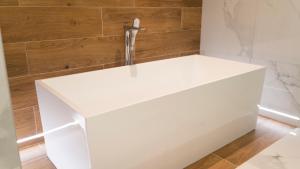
<point>130,36</point>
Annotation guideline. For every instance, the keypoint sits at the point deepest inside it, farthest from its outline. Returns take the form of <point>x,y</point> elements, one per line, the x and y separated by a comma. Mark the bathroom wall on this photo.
<point>46,38</point>
<point>265,32</point>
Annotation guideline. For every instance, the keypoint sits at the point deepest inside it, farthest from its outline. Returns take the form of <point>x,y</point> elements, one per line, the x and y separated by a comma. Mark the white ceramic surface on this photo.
<point>265,32</point>
<point>163,114</point>
<point>283,154</point>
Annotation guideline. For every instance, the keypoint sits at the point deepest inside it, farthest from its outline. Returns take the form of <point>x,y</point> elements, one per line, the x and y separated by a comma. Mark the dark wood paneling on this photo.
<point>87,3</point>
<point>153,19</point>
<point>8,2</point>
<point>191,18</point>
<point>159,44</point>
<point>169,3</point>
<point>32,24</point>
<point>74,53</point>
<point>15,56</point>
<point>25,124</point>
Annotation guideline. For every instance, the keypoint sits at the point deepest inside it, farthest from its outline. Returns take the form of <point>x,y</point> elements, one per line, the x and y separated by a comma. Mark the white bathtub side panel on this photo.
<point>176,130</point>
<point>66,147</point>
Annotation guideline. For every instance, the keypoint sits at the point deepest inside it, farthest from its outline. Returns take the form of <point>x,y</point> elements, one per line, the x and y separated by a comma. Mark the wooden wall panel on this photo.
<point>23,88</point>
<point>38,121</point>
<point>156,44</point>
<point>48,38</point>
<point>152,19</point>
<point>16,60</point>
<point>169,3</point>
<point>84,3</point>
<point>25,122</point>
<point>44,23</point>
<point>189,16</point>
<point>74,53</point>
<point>9,3</point>
<point>23,92</point>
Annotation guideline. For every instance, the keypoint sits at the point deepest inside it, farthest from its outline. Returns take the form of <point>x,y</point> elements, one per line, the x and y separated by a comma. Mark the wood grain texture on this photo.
<point>211,161</point>
<point>25,124</point>
<point>44,23</point>
<point>152,19</point>
<point>23,88</point>
<point>84,3</point>
<point>169,3</point>
<point>158,44</point>
<point>31,143</point>
<point>191,18</point>
<point>16,61</point>
<point>74,53</point>
<point>9,3</point>
<point>205,162</point>
<point>41,162</point>
<point>150,59</point>
<point>23,92</point>
<point>37,118</point>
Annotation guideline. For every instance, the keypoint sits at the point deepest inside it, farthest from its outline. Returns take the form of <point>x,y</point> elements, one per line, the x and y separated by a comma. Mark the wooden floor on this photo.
<point>229,157</point>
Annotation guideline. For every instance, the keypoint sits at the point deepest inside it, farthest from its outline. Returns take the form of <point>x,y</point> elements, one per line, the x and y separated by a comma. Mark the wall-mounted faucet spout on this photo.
<point>130,36</point>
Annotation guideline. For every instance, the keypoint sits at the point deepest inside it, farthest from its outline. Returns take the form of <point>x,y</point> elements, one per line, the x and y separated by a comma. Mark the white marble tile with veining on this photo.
<point>265,32</point>
<point>284,154</point>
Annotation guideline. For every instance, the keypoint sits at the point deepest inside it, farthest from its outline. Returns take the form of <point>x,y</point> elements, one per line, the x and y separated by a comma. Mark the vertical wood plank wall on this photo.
<point>47,38</point>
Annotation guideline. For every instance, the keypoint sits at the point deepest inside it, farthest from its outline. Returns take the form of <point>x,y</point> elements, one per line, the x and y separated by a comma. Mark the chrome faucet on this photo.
<point>130,36</point>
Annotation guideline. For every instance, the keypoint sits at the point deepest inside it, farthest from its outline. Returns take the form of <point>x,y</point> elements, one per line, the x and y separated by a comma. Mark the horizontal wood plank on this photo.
<point>25,122</point>
<point>169,3</point>
<point>191,18</point>
<point>23,90</point>
<point>86,3</point>
<point>152,19</point>
<point>73,53</point>
<point>45,23</point>
<point>9,3</point>
<point>159,44</point>
<point>15,56</point>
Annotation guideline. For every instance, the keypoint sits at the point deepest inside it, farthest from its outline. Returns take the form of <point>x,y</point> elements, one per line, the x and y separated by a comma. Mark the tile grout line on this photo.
<point>181,18</point>
<point>95,7</point>
<point>35,119</point>
<point>101,13</point>
<point>27,59</point>
<point>99,35</point>
<point>224,159</point>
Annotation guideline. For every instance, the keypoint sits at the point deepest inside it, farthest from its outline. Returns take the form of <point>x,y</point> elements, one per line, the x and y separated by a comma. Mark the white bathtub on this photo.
<point>158,115</point>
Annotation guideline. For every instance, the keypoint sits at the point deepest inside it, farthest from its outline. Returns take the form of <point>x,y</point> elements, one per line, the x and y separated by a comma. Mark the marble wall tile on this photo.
<point>265,32</point>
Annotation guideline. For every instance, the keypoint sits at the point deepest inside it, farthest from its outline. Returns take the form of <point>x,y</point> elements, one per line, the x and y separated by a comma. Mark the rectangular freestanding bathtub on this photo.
<point>158,115</point>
